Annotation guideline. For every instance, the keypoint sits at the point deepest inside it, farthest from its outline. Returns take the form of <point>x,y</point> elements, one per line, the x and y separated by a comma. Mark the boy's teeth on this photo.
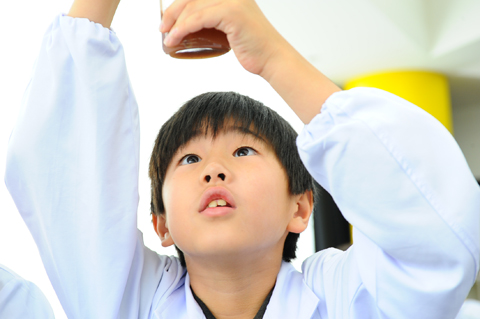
<point>218,202</point>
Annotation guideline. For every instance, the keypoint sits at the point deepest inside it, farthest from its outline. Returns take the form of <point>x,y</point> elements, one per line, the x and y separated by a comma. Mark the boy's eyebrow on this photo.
<point>246,131</point>
<point>231,128</point>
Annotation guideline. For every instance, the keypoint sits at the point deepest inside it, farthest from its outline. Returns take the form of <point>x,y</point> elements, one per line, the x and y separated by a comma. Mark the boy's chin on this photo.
<point>231,254</point>
<point>230,260</point>
<point>222,249</point>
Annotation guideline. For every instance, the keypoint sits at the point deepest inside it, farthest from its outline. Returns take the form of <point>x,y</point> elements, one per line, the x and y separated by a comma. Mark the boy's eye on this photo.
<point>190,159</point>
<point>244,151</point>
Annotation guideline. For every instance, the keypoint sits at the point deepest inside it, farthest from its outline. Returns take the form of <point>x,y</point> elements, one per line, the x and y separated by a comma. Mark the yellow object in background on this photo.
<point>428,90</point>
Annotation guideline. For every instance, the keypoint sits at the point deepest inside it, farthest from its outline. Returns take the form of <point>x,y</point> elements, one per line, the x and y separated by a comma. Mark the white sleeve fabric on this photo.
<point>72,170</point>
<point>399,177</point>
<point>21,299</point>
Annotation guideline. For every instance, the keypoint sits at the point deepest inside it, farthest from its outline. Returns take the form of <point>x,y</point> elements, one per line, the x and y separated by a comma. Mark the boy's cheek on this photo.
<point>175,233</point>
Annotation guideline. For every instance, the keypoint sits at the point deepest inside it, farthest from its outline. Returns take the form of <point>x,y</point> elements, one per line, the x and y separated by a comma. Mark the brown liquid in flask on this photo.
<point>206,43</point>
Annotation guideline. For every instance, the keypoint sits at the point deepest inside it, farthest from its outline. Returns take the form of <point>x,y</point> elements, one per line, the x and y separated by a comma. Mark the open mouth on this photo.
<point>216,198</point>
<point>218,203</point>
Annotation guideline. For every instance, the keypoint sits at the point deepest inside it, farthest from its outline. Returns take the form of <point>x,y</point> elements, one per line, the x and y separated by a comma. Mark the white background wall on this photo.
<point>161,84</point>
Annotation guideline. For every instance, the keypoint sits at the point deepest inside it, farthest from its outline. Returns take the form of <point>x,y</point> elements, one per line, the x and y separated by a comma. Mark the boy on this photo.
<point>73,170</point>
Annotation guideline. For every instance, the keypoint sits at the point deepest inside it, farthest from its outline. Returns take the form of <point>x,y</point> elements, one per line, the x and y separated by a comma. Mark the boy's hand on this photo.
<point>258,47</point>
<point>250,35</point>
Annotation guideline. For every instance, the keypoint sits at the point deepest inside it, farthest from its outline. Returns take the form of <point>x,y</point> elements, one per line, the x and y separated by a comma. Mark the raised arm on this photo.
<point>258,47</point>
<point>72,170</point>
<point>400,179</point>
<point>99,11</point>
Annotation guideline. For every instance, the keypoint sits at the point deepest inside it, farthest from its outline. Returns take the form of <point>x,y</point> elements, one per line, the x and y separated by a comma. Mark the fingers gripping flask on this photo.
<point>206,43</point>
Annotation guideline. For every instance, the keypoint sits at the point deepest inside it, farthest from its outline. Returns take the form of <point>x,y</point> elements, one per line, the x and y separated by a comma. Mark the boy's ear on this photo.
<point>161,228</point>
<point>301,216</point>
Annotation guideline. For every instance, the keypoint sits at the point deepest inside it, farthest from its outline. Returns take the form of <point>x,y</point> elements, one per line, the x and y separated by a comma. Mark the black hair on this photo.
<point>211,112</point>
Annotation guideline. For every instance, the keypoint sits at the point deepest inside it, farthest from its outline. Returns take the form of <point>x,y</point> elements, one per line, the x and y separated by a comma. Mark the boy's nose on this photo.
<point>215,172</point>
<point>221,176</point>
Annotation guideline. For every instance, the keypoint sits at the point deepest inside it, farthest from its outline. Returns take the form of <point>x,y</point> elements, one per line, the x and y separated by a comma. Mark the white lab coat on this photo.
<point>21,299</point>
<point>396,174</point>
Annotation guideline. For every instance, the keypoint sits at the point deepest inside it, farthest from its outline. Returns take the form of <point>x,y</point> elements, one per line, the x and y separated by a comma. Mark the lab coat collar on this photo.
<point>291,298</point>
<point>181,304</point>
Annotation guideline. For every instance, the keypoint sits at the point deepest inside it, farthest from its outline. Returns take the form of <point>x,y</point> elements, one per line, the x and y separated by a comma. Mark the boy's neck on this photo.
<point>235,290</point>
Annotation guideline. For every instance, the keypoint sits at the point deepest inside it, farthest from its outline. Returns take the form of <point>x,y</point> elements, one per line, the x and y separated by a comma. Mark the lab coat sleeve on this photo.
<point>72,171</point>
<point>399,177</point>
<point>21,299</point>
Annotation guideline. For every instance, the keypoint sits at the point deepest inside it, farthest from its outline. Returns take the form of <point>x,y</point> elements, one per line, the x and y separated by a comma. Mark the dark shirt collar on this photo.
<point>208,314</point>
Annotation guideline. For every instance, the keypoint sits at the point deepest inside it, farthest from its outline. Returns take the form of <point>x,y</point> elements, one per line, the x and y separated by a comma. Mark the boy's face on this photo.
<point>246,173</point>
